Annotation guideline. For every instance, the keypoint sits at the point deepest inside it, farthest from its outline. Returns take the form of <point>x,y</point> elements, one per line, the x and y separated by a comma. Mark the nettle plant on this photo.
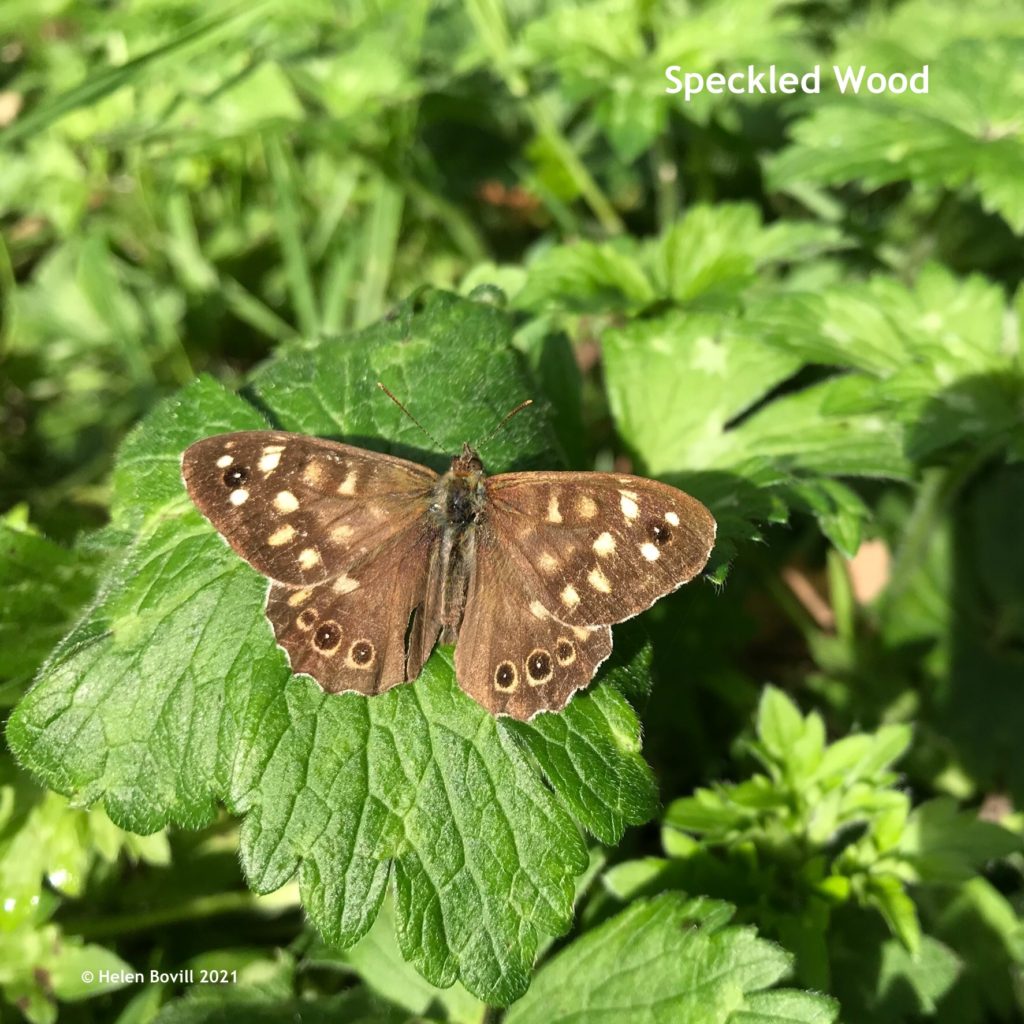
<point>423,831</point>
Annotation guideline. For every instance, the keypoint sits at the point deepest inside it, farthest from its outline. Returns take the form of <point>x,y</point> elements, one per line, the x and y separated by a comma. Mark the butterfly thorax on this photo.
<point>460,495</point>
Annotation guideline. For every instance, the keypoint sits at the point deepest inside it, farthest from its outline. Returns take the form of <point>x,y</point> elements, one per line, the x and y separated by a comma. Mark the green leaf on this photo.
<point>965,133</point>
<point>42,965</point>
<point>588,277</point>
<point>378,961</point>
<point>891,985</point>
<point>669,960</point>
<point>112,79</point>
<point>887,894</point>
<point>44,844</point>
<point>780,725</point>
<point>676,382</point>
<point>864,755</point>
<point>945,845</point>
<point>172,695</point>
<point>690,397</point>
<point>44,587</point>
<point>984,928</point>
<point>923,978</point>
<point>840,511</point>
<point>708,258</point>
<point>786,1006</point>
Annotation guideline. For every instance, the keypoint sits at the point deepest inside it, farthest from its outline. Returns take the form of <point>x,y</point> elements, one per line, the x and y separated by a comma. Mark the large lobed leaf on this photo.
<point>171,695</point>
<point>669,960</point>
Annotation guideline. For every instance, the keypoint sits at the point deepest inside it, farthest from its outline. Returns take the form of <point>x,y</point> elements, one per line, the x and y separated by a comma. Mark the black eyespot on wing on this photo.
<point>327,636</point>
<point>539,664</point>
<point>362,652</point>
<point>659,533</point>
<point>235,476</point>
<point>505,676</point>
<point>565,651</point>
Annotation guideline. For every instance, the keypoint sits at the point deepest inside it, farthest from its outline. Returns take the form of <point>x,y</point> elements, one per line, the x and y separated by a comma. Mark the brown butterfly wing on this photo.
<point>597,548</point>
<point>350,633</point>
<point>344,535</point>
<point>299,509</point>
<point>512,656</point>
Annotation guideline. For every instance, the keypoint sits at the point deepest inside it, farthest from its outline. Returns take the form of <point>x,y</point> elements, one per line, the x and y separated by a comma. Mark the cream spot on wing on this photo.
<point>281,535</point>
<point>224,461</point>
<point>599,581</point>
<point>628,504</point>
<point>229,444</point>
<point>580,633</point>
<point>270,449</point>
<point>239,497</point>
<point>547,561</point>
<point>649,551</point>
<point>586,507</point>
<point>671,518</point>
<point>537,610</point>
<point>308,557</point>
<point>268,462</point>
<point>313,474</point>
<point>554,515</point>
<point>605,544</point>
<point>569,597</point>
<point>348,485</point>
<point>345,585</point>
<point>286,502</point>
<point>299,597</point>
<point>341,532</point>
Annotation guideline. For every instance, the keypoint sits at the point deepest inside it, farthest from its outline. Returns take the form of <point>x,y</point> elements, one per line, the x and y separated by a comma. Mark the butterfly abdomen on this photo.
<point>459,500</point>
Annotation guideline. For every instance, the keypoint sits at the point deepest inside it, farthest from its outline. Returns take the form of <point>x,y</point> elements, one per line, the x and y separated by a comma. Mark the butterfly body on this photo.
<point>372,559</point>
<point>459,499</point>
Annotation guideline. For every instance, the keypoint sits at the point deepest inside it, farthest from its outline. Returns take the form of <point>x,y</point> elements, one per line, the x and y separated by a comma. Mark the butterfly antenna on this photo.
<point>427,433</point>
<point>519,408</point>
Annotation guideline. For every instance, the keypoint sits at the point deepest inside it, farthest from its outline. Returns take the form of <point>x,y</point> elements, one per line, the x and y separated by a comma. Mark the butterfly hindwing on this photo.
<point>597,548</point>
<point>513,657</point>
<point>350,633</point>
<point>299,509</point>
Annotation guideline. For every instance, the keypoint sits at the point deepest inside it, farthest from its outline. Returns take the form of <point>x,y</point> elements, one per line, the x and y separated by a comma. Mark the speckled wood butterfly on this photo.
<point>372,559</point>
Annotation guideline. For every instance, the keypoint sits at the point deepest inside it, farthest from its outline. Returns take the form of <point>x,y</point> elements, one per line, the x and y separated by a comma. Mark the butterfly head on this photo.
<point>467,464</point>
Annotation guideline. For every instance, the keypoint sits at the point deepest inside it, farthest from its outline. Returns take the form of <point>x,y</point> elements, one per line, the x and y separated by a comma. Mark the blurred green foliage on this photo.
<point>805,310</point>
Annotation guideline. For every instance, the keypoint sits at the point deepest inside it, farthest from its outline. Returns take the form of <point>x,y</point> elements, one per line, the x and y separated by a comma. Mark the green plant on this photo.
<point>804,310</point>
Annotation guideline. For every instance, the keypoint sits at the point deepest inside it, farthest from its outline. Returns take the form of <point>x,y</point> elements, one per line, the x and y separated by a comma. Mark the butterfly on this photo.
<point>372,559</point>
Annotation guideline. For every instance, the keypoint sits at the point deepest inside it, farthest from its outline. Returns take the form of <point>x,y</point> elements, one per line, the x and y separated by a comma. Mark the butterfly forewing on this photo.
<point>597,548</point>
<point>299,509</point>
